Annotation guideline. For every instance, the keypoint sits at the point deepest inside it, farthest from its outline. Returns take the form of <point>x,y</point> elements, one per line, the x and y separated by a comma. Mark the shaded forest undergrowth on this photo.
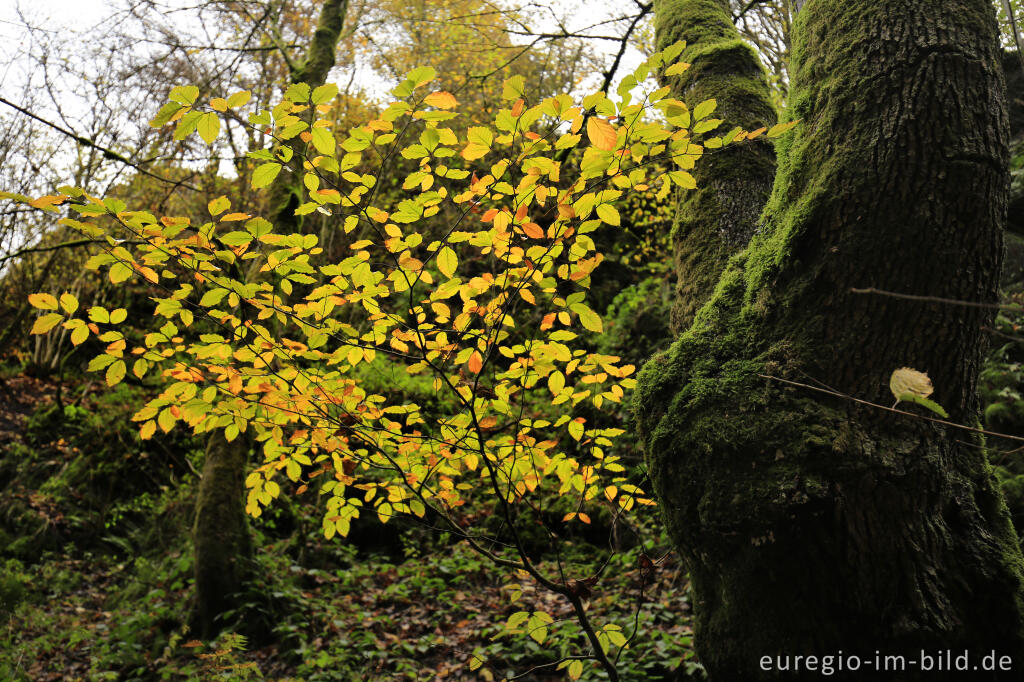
<point>96,581</point>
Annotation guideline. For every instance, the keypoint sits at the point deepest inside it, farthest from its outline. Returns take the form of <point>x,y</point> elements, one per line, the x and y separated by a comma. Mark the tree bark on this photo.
<point>813,525</point>
<point>223,548</point>
<point>718,218</point>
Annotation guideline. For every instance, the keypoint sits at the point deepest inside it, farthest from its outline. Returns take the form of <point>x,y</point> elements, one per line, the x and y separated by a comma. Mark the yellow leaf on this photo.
<point>219,104</point>
<point>608,214</point>
<point>46,323</point>
<point>208,127</point>
<point>447,261</point>
<point>601,133</point>
<point>230,217</point>
<point>441,100</point>
<point>116,372</point>
<point>79,334</point>
<point>676,69</point>
<point>239,98</point>
<point>219,205</point>
<point>147,430</point>
<point>43,301</point>
<point>556,382</point>
<point>907,380</point>
<point>68,302</point>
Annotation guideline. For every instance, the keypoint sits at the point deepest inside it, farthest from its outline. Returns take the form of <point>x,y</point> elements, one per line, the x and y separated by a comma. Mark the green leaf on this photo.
<point>324,94</point>
<point>516,620</point>
<point>99,314</point>
<point>213,297</point>
<point>265,174</point>
<point>323,140</point>
<point>166,113</point>
<point>119,272</point>
<point>513,88</point>
<point>704,109</point>
<point>238,99</point>
<point>538,626</point>
<point>706,126</point>
<point>781,128</point>
<point>208,127</point>
<point>421,75</point>
<point>923,402</point>
<point>297,92</point>
<point>184,94</point>
<point>588,318</point>
<point>99,362</point>
<point>676,69</point>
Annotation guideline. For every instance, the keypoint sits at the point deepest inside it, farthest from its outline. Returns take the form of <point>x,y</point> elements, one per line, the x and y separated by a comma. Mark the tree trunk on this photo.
<point>223,549</point>
<point>717,219</point>
<point>811,524</point>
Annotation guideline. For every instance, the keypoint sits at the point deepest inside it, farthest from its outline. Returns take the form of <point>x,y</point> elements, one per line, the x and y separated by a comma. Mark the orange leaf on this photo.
<point>517,108</point>
<point>601,134</point>
<point>441,100</point>
<point>47,202</point>
<point>230,217</point>
<point>533,230</point>
<point>475,362</point>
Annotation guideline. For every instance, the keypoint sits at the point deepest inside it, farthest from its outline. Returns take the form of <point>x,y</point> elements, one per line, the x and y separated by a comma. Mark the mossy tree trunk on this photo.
<point>812,524</point>
<point>223,548</point>
<point>717,219</point>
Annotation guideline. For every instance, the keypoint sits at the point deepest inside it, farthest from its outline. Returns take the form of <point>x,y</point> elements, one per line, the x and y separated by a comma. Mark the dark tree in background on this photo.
<point>810,523</point>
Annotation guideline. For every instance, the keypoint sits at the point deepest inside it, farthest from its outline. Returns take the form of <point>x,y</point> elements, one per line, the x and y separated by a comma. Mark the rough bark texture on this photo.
<point>286,193</point>
<point>811,524</point>
<point>718,218</point>
<point>223,549</point>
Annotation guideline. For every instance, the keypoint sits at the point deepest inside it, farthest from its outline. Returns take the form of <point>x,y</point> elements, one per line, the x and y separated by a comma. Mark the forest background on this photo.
<point>102,528</point>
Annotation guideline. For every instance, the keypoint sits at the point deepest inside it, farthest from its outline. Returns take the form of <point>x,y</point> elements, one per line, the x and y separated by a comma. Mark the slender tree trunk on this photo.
<point>223,548</point>
<point>717,219</point>
<point>813,525</point>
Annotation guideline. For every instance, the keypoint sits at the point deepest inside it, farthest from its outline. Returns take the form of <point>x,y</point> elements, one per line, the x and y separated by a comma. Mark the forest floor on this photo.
<point>95,581</point>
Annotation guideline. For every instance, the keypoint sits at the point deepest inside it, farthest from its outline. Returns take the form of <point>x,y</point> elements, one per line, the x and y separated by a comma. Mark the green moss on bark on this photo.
<point>717,219</point>
<point>811,523</point>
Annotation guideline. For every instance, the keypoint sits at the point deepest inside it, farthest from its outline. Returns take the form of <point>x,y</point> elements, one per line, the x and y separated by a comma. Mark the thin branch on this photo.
<point>844,396</point>
<point>107,153</point>
<point>936,299</point>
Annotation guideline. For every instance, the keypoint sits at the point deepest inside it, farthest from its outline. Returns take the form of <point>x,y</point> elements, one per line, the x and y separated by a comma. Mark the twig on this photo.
<point>936,299</point>
<point>891,409</point>
<point>107,153</point>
